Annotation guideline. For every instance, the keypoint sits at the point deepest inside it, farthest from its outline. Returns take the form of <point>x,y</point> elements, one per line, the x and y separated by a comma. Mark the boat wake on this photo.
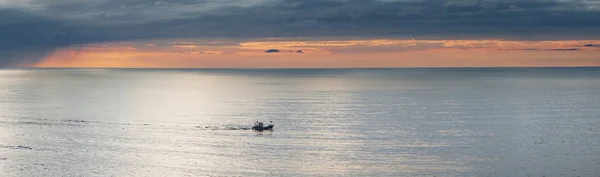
<point>16,147</point>
<point>223,127</point>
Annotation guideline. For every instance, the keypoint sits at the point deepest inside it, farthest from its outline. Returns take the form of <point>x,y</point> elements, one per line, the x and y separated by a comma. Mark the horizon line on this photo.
<point>283,68</point>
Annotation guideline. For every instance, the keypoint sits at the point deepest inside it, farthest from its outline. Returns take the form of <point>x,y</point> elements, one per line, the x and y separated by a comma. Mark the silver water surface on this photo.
<point>329,122</point>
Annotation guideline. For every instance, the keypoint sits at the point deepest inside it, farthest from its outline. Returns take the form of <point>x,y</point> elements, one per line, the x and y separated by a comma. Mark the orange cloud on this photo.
<point>317,44</point>
<point>207,52</point>
<point>329,53</point>
<point>185,46</point>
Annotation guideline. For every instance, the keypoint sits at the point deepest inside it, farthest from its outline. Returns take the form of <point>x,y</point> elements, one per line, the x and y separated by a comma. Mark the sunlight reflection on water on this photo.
<point>389,122</point>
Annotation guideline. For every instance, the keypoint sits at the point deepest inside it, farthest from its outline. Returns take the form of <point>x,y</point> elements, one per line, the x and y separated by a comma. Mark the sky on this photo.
<point>299,33</point>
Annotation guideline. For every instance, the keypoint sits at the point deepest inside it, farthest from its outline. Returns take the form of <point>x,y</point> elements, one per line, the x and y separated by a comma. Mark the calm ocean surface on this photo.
<point>328,122</point>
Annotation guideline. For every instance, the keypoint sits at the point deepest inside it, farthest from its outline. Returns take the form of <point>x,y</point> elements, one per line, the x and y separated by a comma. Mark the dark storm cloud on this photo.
<point>569,49</point>
<point>272,51</point>
<point>39,26</point>
<point>540,49</point>
<point>24,37</point>
<point>246,18</point>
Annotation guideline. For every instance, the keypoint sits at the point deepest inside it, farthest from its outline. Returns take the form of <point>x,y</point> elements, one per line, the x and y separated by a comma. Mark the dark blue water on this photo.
<point>328,122</point>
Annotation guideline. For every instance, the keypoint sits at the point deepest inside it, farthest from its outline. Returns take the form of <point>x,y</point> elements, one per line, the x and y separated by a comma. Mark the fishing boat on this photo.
<point>259,126</point>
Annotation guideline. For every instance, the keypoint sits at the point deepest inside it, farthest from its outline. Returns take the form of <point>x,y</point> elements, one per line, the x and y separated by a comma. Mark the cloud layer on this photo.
<point>31,28</point>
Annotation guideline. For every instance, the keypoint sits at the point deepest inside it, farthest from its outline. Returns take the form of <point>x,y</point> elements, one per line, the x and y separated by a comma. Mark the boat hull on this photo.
<point>260,128</point>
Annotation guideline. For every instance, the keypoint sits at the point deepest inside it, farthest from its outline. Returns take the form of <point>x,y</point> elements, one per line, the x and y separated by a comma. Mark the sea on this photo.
<point>514,122</point>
